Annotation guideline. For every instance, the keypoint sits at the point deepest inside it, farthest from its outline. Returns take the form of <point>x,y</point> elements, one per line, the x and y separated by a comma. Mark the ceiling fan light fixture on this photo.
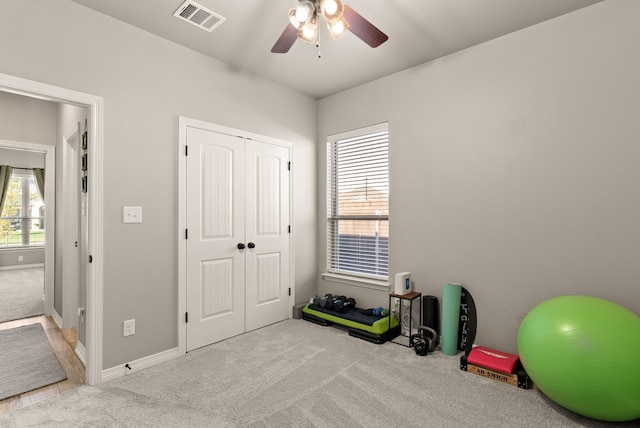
<point>332,9</point>
<point>339,17</point>
<point>304,11</point>
<point>309,32</point>
<point>294,21</point>
<point>337,27</point>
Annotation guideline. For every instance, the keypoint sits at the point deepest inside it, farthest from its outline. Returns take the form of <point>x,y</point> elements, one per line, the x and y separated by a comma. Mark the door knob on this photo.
<point>251,245</point>
<point>240,246</point>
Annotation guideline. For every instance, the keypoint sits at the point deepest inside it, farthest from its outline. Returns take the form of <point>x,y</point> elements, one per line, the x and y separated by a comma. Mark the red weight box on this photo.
<point>493,360</point>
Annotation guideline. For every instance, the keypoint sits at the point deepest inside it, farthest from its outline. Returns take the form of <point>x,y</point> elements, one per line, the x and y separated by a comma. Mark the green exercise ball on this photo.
<point>584,353</point>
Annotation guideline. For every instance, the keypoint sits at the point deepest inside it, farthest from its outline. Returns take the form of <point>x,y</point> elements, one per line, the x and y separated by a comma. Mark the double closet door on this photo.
<point>237,263</point>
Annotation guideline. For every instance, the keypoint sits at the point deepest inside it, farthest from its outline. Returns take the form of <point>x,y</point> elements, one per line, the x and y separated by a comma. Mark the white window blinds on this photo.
<point>358,203</point>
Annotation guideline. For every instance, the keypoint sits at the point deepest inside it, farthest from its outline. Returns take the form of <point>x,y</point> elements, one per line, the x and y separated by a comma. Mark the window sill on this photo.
<point>357,281</point>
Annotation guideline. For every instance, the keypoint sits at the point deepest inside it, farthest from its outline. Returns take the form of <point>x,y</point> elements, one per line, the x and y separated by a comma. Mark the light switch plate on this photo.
<point>132,214</point>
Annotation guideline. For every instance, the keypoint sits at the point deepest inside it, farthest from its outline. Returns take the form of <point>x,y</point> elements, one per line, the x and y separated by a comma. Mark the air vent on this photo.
<point>199,16</point>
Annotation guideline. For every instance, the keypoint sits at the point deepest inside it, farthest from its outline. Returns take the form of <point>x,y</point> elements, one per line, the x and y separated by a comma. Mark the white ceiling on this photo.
<point>418,30</point>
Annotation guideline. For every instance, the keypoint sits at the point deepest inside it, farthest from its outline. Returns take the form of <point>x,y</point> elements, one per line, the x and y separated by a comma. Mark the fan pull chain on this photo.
<point>318,45</point>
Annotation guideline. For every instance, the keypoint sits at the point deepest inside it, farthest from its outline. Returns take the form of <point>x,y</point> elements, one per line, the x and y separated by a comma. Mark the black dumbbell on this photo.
<point>343,305</point>
<point>337,304</point>
<point>328,301</point>
<point>348,303</point>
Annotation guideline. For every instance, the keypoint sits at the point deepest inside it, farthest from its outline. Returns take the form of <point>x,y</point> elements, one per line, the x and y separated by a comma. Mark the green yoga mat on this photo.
<point>451,293</point>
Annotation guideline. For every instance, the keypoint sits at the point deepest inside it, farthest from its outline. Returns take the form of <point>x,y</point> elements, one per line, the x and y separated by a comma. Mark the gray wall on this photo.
<point>27,120</point>
<point>514,167</point>
<point>9,258</point>
<point>147,83</point>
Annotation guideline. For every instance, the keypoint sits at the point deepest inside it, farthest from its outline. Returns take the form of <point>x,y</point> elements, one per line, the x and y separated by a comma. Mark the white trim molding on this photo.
<point>81,353</point>
<point>139,364</point>
<point>57,318</point>
<point>14,267</point>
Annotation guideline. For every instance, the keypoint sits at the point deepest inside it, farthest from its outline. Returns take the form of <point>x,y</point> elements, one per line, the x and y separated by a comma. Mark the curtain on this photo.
<point>38,173</point>
<point>5,177</point>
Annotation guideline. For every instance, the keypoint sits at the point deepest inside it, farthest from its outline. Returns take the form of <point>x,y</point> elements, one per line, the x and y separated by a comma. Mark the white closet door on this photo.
<point>215,221</point>
<point>267,232</point>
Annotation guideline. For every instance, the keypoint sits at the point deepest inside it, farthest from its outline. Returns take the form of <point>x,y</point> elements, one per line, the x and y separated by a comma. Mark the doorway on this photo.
<point>48,152</point>
<point>25,282</point>
<point>22,225</point>
<point>94,284</point>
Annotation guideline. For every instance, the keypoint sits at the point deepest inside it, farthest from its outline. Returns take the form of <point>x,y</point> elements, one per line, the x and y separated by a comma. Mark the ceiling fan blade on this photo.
<point>286,40</point>
<point>363,29</point>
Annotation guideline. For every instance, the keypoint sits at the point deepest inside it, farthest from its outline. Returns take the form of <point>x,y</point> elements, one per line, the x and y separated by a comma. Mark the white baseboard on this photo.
<point>81,353</point>
<point>14,267</point>
<point>139,364</point>
<point>80,350</point>
<point>57,318</point>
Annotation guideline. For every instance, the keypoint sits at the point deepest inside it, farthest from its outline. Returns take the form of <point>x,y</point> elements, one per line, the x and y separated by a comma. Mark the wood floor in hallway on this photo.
<point>63,343</point>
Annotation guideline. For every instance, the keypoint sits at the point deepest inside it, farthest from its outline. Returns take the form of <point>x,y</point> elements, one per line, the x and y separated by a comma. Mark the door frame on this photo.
<point>94,105</point>
<point>70,206</point>
<point>183,124</point>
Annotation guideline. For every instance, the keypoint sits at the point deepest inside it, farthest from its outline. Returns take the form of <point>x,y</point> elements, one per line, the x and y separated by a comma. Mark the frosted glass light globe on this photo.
<point>330,7</point>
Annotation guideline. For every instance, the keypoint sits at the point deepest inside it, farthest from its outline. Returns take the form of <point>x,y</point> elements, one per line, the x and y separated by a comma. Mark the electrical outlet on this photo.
<point>132,214</point>
<point>129,327</point>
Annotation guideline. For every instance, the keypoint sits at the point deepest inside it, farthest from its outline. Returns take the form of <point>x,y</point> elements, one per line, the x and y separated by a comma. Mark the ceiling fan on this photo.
<point>303,24</point>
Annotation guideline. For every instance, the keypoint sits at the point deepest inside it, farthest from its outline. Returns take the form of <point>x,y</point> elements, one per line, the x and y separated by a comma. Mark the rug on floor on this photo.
<point>27,360</point>
<point>21,293</point>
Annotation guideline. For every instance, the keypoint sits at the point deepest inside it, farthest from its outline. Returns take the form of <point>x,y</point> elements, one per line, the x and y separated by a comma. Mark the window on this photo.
<point>22,217</point>
<point>358,203</point>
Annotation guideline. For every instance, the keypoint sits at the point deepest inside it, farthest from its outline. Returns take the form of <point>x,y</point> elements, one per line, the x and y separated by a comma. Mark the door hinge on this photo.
<point>186,150</point>
<point>289,166</point>
<point>289,291</point>
<point>186,234</point>
<point>186,317</point>
<point>289,228</point>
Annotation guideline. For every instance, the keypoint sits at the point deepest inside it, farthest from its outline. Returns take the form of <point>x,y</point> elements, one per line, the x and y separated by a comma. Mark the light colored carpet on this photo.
<point>27,360</point>
<point>21,293</point>
<point>298,374</point>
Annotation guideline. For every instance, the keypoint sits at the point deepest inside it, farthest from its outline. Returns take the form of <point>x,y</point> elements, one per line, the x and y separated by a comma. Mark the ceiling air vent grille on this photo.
<point>199,16</point>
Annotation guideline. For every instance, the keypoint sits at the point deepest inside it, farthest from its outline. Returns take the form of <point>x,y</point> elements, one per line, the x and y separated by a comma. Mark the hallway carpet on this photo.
<point>27,360</point>
<point>21,292</point>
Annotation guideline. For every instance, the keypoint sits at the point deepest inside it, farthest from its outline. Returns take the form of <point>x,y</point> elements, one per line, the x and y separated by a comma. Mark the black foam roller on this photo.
<point>431,312</point>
